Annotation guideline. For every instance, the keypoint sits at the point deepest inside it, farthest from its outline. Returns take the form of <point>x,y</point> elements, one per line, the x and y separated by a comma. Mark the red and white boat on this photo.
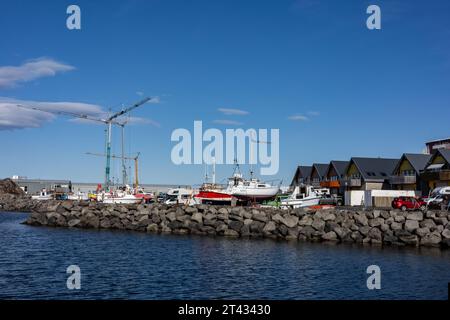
<point>213,194</point>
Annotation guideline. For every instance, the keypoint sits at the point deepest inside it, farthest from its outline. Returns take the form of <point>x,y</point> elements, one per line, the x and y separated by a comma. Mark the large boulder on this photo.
<point>411,225</point>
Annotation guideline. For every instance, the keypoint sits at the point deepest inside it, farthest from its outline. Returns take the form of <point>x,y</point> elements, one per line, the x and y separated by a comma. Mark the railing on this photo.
<point>443,175</point>
<point>403,179</point>
<point>353,182</point>
<point>330,184</point>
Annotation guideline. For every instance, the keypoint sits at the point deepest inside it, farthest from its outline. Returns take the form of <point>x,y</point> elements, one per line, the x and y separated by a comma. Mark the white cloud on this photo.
<point>232,112</point>
<point>298,117</point>
<point>11,76</point>
<point>314,113</point>
<point>13,117</point>
<point>228,122</point>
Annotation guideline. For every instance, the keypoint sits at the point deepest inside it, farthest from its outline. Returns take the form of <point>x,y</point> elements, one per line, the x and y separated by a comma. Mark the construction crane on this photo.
<point>136,163</point>
<point>110,122</point>
<point>112,119</point>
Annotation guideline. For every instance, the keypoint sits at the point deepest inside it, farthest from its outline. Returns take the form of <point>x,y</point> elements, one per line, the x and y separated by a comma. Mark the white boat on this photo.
<point>78,196</point>
<point>181,196</point>
<point>304,196</point>
<point>125,199</point>
<point>120,196</point>
<point>43,195</point>
<point>250,190</point>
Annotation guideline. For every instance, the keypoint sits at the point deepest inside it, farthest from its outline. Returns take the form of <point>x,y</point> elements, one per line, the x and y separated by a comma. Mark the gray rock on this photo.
<point>399,219</point>
<point>330,236</point>
<point>422,232</point>
<point>191,210</point>
<point>236,225</point>
<point>307,231</point>
<point>329,217</point>
<point>375,233</point>
<point>197,217</point>
<point>223,211</point>
<point>396,226</point>
<point>306,221</point>
<point>290,221</point>
<point>417,216</point>
<point>357,237</point>
<point>410,240</point>
<point>257,227</point>
<point>428,223</point>
<point>211,223</point>
<point>411,225</point>
<point>446,234</point>
<point>269,227</point>
<point>376,222</point>
<point>152,228</point>
<point>361,220</point>
<point>431,240</point>
<point>231,233</point>
<point>318,224</point>
<point>441,221</point>
<point>171,216</point>
<point>364,230</point>
<point>74,223</point>
<point>260,217</point>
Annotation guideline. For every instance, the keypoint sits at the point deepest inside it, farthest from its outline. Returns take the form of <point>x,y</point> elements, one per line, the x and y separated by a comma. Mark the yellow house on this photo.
<point>406,175</point>
<point>437,171</point>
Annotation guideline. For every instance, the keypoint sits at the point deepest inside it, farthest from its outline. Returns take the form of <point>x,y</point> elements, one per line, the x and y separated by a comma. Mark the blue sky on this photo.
<point>362,92</point>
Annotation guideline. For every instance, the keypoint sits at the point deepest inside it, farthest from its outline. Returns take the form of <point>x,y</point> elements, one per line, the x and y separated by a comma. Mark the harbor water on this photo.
<point>128,265</point>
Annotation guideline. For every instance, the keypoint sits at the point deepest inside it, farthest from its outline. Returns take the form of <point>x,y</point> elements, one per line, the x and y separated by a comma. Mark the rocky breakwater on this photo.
<point>13,198</point>
<point>375,227</point>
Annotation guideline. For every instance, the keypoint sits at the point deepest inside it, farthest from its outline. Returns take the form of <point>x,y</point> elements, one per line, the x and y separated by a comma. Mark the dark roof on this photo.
<point>417,161</point>
<point>339,167</point>
<point>321,169</point>
<point>305,171</point>
<point>375,169</point>
<point>445,153</point>
<point>302,171</point>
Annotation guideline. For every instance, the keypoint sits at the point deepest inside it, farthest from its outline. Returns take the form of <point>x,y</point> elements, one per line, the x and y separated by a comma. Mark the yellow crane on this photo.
<point>136,164</point>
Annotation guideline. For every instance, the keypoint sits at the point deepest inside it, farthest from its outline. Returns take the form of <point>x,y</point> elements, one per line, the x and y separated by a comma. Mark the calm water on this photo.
<point>124,265</point>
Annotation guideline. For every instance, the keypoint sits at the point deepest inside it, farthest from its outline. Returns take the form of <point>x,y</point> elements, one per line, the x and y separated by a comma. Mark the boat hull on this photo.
<point>213,198</point>
<point>303,203</point>
<point>122,201</point>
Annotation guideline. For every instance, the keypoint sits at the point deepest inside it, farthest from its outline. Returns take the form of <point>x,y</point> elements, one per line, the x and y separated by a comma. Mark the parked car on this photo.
<point>409,203</point>
<point>333,200</point>
<point>162,197</point>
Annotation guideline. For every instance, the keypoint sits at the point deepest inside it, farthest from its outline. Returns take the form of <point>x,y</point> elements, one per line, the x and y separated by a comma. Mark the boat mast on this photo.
<point>214,171</point>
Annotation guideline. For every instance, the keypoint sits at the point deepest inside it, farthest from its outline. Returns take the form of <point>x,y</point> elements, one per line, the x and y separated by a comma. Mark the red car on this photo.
<point>409,203</point>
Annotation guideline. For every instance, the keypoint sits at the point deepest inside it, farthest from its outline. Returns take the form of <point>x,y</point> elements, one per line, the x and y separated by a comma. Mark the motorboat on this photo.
<point>43,196</point>
<point>79,196</point>
<point>304,196</point>
<point>250,190</point>
<point>120,196</point>
<point>180,196</point>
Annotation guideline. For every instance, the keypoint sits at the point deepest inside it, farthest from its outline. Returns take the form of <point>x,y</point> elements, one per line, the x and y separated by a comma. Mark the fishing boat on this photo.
<point>304,196</point>
<point>43,195</point>
<point>250,190</point>
<point>213,194</point>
